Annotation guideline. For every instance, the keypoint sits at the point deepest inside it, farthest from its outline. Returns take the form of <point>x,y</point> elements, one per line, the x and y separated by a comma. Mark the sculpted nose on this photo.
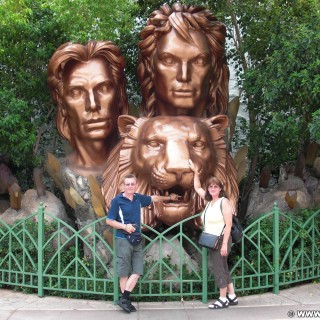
<point>178,158</point>
<point>92,103</point>
<point>183,74</point>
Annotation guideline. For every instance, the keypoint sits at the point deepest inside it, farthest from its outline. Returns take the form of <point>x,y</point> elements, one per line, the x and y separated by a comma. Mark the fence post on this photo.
<point>276,248</point>
<point>40,248</point>
<point>115,272</point>
<point>204,253</point>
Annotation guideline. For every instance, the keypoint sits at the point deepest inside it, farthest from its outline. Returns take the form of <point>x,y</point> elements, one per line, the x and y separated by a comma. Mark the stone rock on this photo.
<point>311,153</point>
<point>316,196</point>
<point>291,183</point>
<point>263,202</point>
<point>316,166</point>
<point>52,204</point>
<point>4,204</point>
<point>10,216</point>
<point>311,184</point>
<point>30,205</point>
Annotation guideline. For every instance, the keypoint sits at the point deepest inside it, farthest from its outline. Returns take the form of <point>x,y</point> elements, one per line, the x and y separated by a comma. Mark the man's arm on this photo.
<point>171,197</point>
<point>112,215</point>
<point>116,224</point>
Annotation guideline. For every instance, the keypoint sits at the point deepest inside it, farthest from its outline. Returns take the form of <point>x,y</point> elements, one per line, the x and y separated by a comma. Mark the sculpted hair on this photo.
<point>183,18</point>
<point>75,52</point>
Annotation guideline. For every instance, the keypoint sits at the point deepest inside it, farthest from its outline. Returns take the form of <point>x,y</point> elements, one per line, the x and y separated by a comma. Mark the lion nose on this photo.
<point>177,158</point>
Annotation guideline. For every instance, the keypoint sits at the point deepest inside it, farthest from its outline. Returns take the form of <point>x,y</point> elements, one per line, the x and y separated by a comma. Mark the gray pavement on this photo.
<point>300,302</point>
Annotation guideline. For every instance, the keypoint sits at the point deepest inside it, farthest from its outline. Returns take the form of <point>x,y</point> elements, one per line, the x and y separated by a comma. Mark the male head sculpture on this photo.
<point>87,83</point>
<point>182,67</point>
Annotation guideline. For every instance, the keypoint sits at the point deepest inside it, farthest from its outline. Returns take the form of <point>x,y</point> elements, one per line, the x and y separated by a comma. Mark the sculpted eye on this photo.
<point>154,145</point>
<point>105,87</point>
<point>168,59</point>
<point>201,61</point>
<point>198,145</point>
<point>75,93</point>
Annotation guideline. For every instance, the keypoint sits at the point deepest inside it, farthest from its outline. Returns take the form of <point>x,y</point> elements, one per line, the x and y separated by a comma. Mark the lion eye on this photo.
<point>198,145</point>
<point>154,145</point>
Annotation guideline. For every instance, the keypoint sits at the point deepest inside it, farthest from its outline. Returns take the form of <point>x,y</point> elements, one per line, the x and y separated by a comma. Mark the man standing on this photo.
<point>125,216</point>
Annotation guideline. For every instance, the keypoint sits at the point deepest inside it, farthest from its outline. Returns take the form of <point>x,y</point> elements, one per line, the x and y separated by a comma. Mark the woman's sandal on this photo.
<point>232,302</point>
<point>219,304</point>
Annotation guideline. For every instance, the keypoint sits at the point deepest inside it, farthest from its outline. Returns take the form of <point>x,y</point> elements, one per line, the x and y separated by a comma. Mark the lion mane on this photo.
<point>157,151</point>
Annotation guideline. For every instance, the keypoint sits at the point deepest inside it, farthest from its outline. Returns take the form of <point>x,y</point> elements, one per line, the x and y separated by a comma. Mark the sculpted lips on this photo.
<point>183,93</point>
<point>96,123</point>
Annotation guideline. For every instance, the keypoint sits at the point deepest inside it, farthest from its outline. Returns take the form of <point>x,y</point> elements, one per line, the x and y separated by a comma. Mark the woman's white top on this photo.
<point>214,221</point>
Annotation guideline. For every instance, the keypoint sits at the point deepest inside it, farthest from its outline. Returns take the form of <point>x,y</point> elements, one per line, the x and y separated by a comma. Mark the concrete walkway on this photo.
<point>288,304</point>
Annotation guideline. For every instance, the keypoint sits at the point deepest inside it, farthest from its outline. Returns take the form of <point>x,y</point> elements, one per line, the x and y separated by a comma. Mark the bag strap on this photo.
<point>222,214</point>
<point>204,215</point>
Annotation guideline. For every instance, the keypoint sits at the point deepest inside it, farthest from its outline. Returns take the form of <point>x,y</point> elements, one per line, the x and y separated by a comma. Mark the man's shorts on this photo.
<point>129,258</point>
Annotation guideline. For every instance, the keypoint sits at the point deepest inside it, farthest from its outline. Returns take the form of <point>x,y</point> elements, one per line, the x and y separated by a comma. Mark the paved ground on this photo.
<point>291,303</point>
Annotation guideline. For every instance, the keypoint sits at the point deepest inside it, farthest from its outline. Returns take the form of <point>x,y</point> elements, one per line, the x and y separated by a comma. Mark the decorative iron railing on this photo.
<point>276,251</point>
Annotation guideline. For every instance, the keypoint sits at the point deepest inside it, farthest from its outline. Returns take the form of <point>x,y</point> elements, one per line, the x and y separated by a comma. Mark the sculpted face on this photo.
<point>89,100</point>
<point>164,146</point>
<point>156,150</point>
<point>181,74</point>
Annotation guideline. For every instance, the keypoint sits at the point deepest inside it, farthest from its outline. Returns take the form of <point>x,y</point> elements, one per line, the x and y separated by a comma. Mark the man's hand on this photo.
<point>174,197</point>
<point>129,228</point>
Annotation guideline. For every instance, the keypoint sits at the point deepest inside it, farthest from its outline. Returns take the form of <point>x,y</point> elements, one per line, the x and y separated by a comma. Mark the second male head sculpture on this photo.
<point>87,83</point>
<point>182,67</point>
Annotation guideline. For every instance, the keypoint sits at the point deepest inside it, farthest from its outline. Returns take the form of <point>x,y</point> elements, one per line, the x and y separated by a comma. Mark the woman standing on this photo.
<point>218,213</point>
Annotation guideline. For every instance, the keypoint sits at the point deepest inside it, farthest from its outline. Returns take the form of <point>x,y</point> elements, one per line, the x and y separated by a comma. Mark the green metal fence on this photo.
<point>54,257</point>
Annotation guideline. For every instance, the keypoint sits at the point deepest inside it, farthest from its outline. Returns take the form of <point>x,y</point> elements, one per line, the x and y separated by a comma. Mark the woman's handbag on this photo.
<point>236,230</point>
<point>208,240</point>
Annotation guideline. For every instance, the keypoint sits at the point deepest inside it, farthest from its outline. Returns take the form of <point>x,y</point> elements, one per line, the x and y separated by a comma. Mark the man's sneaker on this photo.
<point>124,304</point>
<point>132,307</point>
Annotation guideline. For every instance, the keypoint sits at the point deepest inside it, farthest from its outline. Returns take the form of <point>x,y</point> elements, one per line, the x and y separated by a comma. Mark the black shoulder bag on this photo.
<point>236,228</point>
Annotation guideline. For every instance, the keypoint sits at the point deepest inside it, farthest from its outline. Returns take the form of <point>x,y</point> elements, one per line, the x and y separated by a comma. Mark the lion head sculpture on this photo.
<point>157,151</point>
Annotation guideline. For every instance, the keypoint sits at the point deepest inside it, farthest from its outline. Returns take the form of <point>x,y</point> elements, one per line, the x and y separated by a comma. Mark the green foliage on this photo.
<point>28,34</point>
<point>16,128</point>
<point>314,126</point>
<point>283,104</point>
<point>295,250</point>
<point>30,31</point>
<point>275,56</point>
<point>274,46</point>
<point>83,20</point>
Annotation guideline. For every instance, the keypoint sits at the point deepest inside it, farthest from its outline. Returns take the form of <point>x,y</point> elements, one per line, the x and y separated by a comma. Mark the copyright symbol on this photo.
<point>290,313</point>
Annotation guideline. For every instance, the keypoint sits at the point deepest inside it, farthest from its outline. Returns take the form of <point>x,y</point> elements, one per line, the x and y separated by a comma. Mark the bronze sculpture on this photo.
<point>184,77</point>
<point>158,150</point>
<point>87,82</point>
<point>182,67</point>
